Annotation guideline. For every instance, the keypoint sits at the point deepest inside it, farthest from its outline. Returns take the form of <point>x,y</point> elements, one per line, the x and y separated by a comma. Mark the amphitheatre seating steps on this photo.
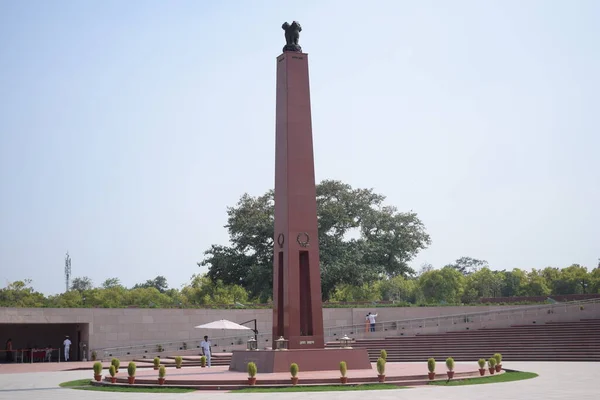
<point>554,341</point>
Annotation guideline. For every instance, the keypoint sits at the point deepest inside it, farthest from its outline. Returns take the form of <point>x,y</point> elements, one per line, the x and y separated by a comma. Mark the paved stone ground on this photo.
<point>556,381</point>
<point>13,368</point>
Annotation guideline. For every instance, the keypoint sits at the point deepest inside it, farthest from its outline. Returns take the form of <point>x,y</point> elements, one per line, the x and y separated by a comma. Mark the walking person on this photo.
<point>206,350</point>
<point>371,318</point>
<point>67,344</point>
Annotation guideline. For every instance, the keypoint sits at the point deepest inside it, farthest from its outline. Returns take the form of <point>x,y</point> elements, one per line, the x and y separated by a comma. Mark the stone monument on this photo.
<point>297,305</point>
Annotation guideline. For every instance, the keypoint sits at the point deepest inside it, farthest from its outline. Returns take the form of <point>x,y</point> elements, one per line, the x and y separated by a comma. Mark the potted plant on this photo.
<point>492,365</point>
<point>343,370</point>
<point>481,363</point>
<point>381,369</point>
<point>383,354</point>
<point>94,355</point>
<point>431,368</point>
<point>162,371</point>
<point>98,371</point>
<point>131,372</point>
<point>498,358</point>
<point>156,363</point>
<point>116,363</point>
<point>294,372</point>
<point>450,366</point>
<point>251,374</point>
<point>112,371</point>
<point>203,361</point>
<point>178,362</point>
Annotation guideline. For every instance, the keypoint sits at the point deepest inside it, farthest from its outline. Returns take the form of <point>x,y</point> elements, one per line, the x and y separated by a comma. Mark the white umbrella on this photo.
<point>223,324</point>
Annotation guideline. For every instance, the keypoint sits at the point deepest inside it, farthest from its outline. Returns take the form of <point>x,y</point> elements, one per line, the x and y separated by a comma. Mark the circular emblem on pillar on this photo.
<point>280,240</point>
<point>303,239</point>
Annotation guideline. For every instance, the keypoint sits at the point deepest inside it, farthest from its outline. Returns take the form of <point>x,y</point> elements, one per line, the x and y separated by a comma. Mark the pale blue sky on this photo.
<point>127,127</point>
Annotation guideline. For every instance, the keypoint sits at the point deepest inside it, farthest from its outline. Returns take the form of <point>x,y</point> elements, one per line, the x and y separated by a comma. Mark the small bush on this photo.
<point>383,354</point>
<point>381,366</point>
<point>112,370</point>
<point>481,363</point>
<point>492,362</point>
<point>131,369</point>
<point>203,361</point>
<point>162,371</point>
<point>251,370</point>
<point>116,362</point>
<point>294,369</point>
<point>156,361</point>
<point>343,368</point>
<point>431,364</point>
<point>178,361</point>
<point>97,368</point>
<point>94,355</point>
<point>498,358</point>
<point>450,363</point>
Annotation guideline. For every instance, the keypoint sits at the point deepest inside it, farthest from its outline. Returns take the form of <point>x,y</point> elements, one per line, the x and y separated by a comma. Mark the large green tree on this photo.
<point>442,285</point>
<point>21,294</point>
<point>159,283</point>
<point>360,240</point>
<point>81,284</point>
<point>468,265</point>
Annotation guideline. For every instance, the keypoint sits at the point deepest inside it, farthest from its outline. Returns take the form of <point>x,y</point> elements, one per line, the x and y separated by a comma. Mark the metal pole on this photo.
<point>255,330</point>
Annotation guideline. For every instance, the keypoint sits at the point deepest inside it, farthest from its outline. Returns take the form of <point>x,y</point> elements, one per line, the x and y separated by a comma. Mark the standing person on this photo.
<point>67,344</point>
<point>371,318</point>
<point>49,353</point>
<point>205,344</point>
<point>9,350</point>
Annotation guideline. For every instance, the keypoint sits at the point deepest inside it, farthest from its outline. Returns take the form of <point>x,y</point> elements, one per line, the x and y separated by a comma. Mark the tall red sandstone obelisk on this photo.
<point>297,306</point>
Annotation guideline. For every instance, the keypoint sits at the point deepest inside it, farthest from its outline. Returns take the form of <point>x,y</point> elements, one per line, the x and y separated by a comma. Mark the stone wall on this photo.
<point>123,327</point>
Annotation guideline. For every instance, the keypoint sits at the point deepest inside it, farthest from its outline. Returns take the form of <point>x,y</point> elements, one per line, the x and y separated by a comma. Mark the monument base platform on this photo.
<point>268,361</point>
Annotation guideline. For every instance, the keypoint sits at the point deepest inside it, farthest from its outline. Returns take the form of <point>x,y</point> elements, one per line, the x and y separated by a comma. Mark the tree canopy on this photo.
<point>360,240</point>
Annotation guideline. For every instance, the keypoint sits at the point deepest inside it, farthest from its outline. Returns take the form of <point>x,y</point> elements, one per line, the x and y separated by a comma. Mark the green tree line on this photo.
<point>365,250</point>
<point>154,293</point>
<point>428,287</point>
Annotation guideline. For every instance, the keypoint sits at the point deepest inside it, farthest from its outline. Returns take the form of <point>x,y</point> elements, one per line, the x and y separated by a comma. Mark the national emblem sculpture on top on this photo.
<point>292,35</point>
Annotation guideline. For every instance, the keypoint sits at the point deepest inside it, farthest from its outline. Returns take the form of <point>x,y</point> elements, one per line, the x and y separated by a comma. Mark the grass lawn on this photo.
<point>509,376</point>
<point>84,384</point>
<point>324,388</point>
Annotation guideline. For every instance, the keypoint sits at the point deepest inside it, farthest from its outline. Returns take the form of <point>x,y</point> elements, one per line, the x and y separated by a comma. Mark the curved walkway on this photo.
<point>569,380</point>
